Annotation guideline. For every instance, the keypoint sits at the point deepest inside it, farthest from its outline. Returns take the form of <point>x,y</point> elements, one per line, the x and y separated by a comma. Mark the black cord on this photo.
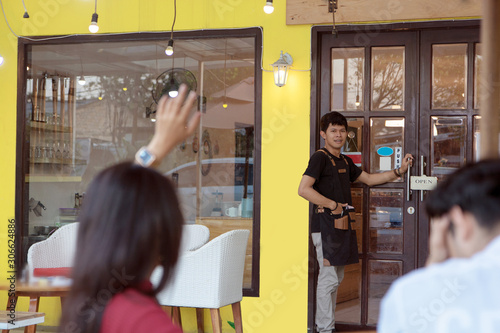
<point>173,23</point>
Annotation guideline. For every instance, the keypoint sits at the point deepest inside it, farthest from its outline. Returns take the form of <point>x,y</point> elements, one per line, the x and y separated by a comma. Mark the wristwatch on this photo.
<point>144,157</point>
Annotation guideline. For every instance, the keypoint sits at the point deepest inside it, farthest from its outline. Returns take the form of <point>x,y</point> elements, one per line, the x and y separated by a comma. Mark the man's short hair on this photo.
<point>334,118</point>
<point>474,188</point>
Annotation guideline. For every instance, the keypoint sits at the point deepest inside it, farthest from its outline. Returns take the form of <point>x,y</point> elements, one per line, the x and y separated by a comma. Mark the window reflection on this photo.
<point>387,140</point>
<point>476,150</point>
<point>78,128</point>
<point>449,76</point>
<point>448,150</point>
<point>347,78</point>
<point>354,143</point>
<point>478,60</point>
<point>388,78</point>
<point>381,274</point>
<point>386,221</point>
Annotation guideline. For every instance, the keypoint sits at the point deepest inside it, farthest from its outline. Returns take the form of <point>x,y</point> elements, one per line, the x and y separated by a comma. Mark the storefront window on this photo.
<point>92,104</point>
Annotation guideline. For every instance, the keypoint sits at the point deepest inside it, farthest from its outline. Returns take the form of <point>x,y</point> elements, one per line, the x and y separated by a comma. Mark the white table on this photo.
<point>20,319</point>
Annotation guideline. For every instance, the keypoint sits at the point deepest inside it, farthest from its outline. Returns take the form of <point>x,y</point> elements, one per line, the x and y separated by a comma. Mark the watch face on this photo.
<point>145,157</point>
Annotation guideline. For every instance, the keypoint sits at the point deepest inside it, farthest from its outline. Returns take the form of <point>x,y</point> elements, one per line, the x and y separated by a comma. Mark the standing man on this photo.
<point>327,184</point>
<point>459,290</point>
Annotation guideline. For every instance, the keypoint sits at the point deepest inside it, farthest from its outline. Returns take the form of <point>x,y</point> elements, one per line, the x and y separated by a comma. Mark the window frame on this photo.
<point>22,148</point>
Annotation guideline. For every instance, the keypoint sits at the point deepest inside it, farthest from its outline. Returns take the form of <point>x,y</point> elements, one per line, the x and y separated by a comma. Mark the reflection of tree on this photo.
<point>125,107</point>
<point>448,84</point>
<point>388,76</point>
<point>215,78</point>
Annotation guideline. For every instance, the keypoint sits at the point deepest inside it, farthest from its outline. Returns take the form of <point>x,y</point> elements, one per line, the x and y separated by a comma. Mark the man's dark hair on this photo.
<point>474,188</point>
<point>334,118</point>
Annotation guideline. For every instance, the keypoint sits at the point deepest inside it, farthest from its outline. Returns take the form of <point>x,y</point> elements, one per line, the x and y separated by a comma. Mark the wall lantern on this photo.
<point>280,69</point>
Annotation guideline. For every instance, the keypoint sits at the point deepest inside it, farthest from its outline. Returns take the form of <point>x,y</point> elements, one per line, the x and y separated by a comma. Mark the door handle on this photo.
<point>422,173</point>
<point>408,190</point>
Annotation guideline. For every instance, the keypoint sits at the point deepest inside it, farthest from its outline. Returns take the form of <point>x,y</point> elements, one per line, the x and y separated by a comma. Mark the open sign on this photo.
<point>423,183</point>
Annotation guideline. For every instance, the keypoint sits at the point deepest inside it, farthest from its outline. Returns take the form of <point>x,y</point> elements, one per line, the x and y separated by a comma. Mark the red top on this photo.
<point>132,311</point>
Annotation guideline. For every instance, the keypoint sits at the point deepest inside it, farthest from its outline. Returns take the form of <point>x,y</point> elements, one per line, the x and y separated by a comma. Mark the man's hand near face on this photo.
<point>438,240</point>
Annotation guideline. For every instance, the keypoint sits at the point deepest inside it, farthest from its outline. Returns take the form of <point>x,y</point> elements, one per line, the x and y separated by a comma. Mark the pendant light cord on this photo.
<point>173,23</point>
<point>95,8</point>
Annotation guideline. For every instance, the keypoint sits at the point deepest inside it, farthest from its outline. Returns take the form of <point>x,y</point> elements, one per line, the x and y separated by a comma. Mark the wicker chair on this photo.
<point>193,237</point>
<point>55,252</point>
<point>209,278</point>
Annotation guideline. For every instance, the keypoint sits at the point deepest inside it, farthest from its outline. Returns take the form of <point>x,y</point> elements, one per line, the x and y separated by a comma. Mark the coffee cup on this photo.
<point>232,212</point>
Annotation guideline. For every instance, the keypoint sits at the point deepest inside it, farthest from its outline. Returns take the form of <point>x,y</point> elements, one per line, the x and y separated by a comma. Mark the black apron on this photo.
<point>340,247</point>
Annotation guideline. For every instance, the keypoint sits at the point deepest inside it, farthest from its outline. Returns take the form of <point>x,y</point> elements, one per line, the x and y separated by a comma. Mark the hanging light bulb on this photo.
<point>224,105</point>
<point>93,27</point>
<point>81,80</point>
<point>357,103</point>
<point>269,8</point>
<point>173,91</point>
<point>170,48</point>
<point>1,60</point>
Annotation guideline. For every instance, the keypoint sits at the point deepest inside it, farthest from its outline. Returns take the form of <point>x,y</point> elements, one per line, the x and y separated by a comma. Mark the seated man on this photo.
<point>459,290</point>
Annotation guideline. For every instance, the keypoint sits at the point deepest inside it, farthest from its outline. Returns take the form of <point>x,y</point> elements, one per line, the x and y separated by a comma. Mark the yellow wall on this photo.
<point>282,305</point>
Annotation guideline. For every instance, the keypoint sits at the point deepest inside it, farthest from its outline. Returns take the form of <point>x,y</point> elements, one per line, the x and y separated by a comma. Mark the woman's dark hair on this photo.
<point>474,188</point>
<point>334,118</point>
<point>130,222</point>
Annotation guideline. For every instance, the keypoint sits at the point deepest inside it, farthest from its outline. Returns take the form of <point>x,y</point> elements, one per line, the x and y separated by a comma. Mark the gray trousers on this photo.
<point>329,278</point>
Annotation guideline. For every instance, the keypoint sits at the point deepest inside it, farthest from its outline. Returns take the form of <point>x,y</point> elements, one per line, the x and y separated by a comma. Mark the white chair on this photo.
<point>209,278</point>
<point>57,251</point>
<point>193,237</point>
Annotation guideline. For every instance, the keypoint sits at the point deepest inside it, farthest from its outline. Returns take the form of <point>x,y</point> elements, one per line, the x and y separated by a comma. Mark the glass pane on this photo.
<point>388,78</point>
<point>476,148</point>
<point>478,60</point>
<point>354,143</point>
<point>386,220</point>
<point>78,128</point>
<point>357,202</point>
<point>347,78</point>
<point>449,76</point>
<point>381,274</point>
<point>387,140</point>
<point>448,148</point>
<point>349,295</point>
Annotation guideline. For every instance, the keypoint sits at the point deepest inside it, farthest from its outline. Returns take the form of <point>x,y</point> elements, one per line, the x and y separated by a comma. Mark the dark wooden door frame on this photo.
<point>366,34</point>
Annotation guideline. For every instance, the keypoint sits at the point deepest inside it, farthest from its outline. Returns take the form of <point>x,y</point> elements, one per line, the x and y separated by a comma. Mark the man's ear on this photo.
<point>323,135</point>
<point>463,224</point>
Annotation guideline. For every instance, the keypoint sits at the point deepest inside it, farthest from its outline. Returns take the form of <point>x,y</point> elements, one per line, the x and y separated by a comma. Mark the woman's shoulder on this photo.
<point>134,311</point>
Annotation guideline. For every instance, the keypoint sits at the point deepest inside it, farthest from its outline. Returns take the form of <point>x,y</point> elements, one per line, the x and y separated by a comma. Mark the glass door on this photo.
<point>373,86</point>
<point>402,92</point>
<point>448,113</point>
